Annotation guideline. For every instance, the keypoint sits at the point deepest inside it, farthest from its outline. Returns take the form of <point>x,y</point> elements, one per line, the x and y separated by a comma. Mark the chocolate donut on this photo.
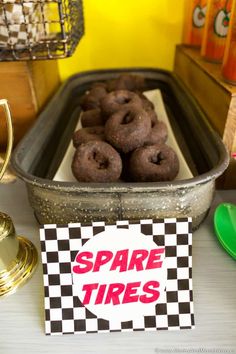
<point>128,128</point>
<point>153,116</point>
<point>85,135</point>
<point>127,82</point>
<point>158,133</point>
<point>148,107</point>
<point>91,99</point>
<point>91,118</point>
<point>154,163</point>
<point>96,161</point>
<point>116,100</point>
<point>147,104</point>
<point>99,84</point>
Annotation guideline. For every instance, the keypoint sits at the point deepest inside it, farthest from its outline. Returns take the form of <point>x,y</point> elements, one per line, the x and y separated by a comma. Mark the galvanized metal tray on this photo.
<point>37,157</point>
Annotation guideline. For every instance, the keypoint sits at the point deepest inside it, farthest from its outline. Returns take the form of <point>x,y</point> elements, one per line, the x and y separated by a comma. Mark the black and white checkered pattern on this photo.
<point>64,311</point>
<point>18,23</point>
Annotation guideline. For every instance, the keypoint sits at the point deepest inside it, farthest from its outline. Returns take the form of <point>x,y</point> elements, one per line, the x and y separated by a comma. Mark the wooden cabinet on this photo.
<point>216,97</point>
<point>27,86</point>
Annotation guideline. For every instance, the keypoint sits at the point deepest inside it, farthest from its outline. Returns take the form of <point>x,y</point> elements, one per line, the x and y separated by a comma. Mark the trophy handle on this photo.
<point>4,103</point>
<point>18,256</point>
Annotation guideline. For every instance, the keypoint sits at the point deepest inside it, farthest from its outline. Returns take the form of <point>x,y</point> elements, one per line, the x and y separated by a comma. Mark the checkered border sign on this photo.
<point>64,313</point>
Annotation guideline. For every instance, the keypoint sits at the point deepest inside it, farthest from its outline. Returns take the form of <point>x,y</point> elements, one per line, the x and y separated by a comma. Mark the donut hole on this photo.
<point>157,158</point>
<point>153,124</point>
<point>127,119</point>
<point>101,161</point>
<point>123,100</point>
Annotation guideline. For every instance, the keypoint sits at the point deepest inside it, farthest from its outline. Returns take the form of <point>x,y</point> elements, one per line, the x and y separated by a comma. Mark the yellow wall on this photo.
<point>127,33</point>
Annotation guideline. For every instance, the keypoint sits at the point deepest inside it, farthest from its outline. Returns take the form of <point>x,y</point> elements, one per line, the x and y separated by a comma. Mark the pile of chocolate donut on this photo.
<point>121,137</point>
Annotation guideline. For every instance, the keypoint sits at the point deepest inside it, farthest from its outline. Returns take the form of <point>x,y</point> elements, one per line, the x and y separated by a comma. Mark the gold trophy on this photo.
<point>18,256</point>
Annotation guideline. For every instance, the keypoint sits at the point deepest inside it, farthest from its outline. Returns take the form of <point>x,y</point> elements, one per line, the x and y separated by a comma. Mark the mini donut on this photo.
<point>116,100</point>
<point>127,82</point>
<point>153,116</point>
<point>92,98</point>
<point>147,104</point>
<point>99,84</point>
<point>111,85</point>
<point>158,133</point>
<point>148,107</point>
<point>140,83</point>
<point>96,161</point>
<point>84,135</point>
<point>91,118</point>
<point>154,163</point>
<point>128,128</point>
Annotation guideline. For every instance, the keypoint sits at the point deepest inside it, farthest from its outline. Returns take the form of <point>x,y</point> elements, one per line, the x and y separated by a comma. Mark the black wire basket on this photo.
<point>39,29</point>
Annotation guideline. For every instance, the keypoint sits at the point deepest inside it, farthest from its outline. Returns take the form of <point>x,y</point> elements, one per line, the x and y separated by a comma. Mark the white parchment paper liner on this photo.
<point>64,172</point>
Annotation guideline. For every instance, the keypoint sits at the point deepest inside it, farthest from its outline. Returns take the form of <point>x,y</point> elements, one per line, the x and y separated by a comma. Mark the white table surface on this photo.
<point>214,285</point>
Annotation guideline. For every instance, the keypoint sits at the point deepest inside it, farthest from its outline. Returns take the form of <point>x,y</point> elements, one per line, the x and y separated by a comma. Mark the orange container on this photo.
<point>194,20</point>
<point>215,30</point>
<point>229,61</point>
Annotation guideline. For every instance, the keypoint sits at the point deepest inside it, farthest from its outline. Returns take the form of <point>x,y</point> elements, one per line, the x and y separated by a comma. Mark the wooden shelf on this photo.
<point>27,86</point>
<point>216,97</point>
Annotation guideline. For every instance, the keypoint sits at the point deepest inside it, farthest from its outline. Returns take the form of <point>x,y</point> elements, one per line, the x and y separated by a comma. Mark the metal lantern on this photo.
<point>39,29</point>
